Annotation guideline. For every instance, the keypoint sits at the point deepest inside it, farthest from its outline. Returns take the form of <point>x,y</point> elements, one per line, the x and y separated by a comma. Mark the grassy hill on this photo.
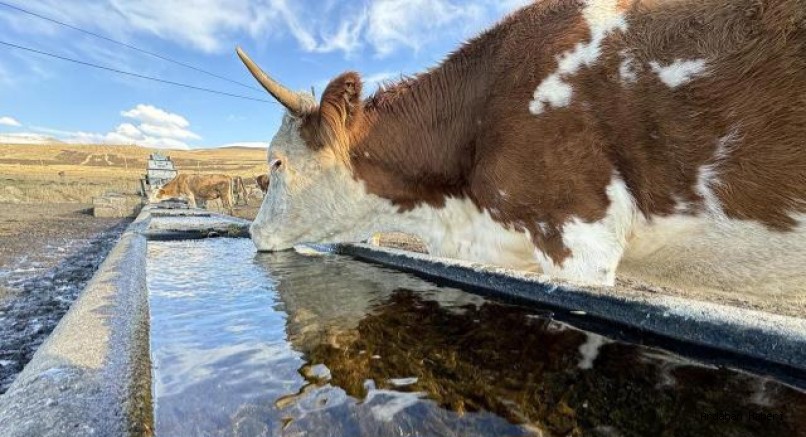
<point>59,173</point>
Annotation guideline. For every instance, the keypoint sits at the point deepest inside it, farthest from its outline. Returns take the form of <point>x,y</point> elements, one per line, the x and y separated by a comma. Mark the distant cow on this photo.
<point>239,190</point>
<point>567,136</point>
<point>198,189</point>
<point>263,182</point>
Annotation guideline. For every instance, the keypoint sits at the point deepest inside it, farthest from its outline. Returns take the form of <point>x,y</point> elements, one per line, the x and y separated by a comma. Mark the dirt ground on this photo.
<point>48,252</point>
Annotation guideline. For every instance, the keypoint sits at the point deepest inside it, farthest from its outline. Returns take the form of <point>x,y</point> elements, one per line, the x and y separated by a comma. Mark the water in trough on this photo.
<point>249,344</point>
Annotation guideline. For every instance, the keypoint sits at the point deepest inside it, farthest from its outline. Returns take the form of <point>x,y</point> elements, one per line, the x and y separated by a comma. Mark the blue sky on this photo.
<point>301,43</point>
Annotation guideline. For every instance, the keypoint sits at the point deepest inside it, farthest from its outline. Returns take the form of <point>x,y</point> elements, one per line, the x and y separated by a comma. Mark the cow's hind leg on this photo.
<point>226,200</point>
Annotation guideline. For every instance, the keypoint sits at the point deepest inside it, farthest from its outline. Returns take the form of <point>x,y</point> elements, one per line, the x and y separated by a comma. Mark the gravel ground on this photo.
<point>47,254</point>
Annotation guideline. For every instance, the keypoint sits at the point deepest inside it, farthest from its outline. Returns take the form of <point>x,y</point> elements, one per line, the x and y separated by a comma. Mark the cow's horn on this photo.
<point>288,98</point>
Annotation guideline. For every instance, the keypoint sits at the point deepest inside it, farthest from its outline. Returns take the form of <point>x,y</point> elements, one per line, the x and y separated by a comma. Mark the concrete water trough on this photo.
<point>95,376</point>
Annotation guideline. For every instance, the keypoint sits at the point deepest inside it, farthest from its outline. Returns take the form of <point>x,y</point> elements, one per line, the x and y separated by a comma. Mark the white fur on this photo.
<point>460,230</point>
<point>708,176</point>
<point>602,17</point>
<point>553,91</point>
<point>679,72</point>
<point>626,69</point>
<point>596,248</point>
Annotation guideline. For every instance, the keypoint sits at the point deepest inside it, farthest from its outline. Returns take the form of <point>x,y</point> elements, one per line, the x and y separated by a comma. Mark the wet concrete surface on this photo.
<point>47,254</point>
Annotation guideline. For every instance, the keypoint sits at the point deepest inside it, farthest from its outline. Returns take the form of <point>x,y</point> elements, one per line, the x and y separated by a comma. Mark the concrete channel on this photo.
<point>92,375</point>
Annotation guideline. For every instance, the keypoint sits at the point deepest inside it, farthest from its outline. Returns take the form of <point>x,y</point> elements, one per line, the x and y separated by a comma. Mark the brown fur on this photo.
<point>199,188</point>
<point>263,182</point>
<point>464,129</point>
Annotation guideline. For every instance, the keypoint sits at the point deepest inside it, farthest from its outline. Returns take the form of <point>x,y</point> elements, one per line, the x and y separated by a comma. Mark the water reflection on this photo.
<point>283,344</point>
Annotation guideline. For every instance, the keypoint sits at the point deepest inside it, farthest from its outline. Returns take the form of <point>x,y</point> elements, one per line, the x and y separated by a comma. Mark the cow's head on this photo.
<point>158,195</point>
<point>165,192</point>
<point>312,196</point>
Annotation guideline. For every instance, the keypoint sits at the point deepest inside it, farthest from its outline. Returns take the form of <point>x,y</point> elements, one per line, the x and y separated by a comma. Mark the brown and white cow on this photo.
<point>263,182</point>
<point>562,138</point>
<point>198,189</point>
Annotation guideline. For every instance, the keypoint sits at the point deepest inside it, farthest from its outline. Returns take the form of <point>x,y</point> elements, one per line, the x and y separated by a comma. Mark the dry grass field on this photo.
<point>68,173</point>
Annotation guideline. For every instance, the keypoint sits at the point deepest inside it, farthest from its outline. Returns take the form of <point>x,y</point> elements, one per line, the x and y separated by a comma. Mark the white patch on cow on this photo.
<point>590,350</point>
<point>553,91</point>
<point>603,17</point>
<point>626,69</point>
<point>708,176</point>
<point>681,206</point>
<point>503,194</point>
<point>679,72</point>
<point>596,248</point>
<point>460,230</point>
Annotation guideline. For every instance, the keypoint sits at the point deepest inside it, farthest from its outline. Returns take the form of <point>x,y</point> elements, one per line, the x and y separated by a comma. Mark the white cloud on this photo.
<point>26,138</point>
<point>157,129</point>
<point>413,23</point>
<point>168,132</point>
<point>153,115</point>
<point>130,131</point>
<point>8,121</point>
<point>214,26</point>
<point>346,38</point>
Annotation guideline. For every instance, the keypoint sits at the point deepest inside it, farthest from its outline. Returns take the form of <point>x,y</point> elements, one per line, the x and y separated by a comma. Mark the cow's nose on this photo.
<point>261,238</point>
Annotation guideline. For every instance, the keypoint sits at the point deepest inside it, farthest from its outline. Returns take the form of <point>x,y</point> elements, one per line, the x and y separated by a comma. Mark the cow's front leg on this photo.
<point>595,253</point>
<point>191,200</point>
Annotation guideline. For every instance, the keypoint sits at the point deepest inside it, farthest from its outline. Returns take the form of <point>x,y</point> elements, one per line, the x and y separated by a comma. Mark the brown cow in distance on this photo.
<point>263,182</point>
<point>572,137</point>
<point>198,189</point>
<point>239,190</point>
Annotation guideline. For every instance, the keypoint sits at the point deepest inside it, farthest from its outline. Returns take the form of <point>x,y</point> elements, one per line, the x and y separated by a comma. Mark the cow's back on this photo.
<point>698,106</point>
<point>211,187</point>
<point>176,186</point>
<point>721,109</point>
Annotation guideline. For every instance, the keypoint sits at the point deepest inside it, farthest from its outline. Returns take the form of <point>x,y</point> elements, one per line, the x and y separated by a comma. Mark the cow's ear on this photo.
<point>341,101</point>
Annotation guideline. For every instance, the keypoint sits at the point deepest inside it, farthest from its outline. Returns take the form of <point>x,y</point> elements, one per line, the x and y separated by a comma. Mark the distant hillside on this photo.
<point>67,172</point>
<point>102,158</point>
<point>26,139</point>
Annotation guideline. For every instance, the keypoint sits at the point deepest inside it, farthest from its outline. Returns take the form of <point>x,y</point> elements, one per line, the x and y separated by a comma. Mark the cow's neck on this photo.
<point>416,145</point>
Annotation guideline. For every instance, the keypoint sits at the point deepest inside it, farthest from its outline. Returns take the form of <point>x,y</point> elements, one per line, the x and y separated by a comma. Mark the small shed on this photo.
<point>160,171</point>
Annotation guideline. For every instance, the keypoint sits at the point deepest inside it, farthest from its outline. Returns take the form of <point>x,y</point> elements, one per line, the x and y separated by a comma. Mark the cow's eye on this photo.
<point>275,164</point>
